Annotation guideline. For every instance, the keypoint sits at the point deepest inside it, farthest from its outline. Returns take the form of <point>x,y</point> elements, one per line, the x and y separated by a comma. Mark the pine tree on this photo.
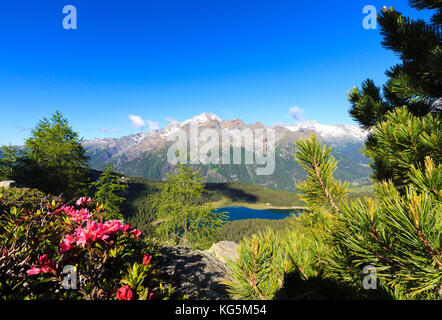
<point>108,192</point>
<point>402,140</point>
<point>399,235</point>
<point>55,158</point>
<point>429,4</point>
<point>416,81</point>
<point>414,84</point>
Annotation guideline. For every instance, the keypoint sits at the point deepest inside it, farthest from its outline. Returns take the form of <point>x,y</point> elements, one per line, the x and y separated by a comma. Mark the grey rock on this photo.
<point>436,106</point>
<point>224,250</point>
<point>7,184</point>
<point>196,274</point>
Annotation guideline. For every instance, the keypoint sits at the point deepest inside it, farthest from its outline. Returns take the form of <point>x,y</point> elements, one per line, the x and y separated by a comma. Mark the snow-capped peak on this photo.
<point>203,117</point>
<point>329,131</point>
<point>174,125</point>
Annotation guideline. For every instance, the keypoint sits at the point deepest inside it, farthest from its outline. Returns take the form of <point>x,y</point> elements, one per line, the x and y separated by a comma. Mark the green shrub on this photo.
<point>264,261</point>
<point>259,270</point>
<point>22,198</point>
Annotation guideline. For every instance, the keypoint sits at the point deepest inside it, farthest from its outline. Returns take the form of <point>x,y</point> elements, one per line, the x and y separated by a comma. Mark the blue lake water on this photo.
<point>241,213</point>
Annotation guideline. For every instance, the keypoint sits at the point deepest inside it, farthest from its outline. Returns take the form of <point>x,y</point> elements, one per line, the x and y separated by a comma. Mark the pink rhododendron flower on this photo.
<point>82,237</point>
<point>93,231</point>
<point>83,214</point>
<point>124,293</point>
<point>97,231</point>
<point>67,209</point>
<point>126,228</point>
<point>66,243</point>
<point>136,233</point>
<point>83,201</point>
<point>113,226</point>
<point>77,215</point>
<point>45,266</point>
<point>43,260</point>
<point>33,271</point>
<point>146,259</point>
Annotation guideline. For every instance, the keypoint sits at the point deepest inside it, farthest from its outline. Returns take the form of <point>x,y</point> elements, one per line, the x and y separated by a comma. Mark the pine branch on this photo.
<point>319,186</point>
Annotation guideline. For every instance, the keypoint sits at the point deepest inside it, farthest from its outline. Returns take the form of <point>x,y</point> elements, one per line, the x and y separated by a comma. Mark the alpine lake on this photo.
<point>242,213</point>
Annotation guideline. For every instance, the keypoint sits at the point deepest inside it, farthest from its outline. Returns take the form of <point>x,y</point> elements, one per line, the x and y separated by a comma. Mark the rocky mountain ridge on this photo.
<point>145,154</point>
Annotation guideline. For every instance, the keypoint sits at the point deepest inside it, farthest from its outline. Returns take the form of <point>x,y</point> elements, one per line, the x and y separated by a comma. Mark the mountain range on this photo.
<point>145,154</point>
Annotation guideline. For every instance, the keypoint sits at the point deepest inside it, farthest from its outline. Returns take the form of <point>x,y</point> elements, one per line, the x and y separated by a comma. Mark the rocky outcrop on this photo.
<point>196,274</point>
<point>7,184</point>
<point>224,250</point>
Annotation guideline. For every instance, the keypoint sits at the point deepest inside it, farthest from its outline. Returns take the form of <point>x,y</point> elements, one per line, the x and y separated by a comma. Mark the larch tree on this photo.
<point>182,217</point>
<point>55,158</point>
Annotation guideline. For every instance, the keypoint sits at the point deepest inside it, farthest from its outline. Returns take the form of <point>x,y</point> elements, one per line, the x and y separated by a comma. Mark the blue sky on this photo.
<point>163,59</point>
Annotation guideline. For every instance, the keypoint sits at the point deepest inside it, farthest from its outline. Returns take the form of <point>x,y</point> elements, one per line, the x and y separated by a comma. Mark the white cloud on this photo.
<point>137,121</point>
<point>169,119</point>
<point>296,113</point>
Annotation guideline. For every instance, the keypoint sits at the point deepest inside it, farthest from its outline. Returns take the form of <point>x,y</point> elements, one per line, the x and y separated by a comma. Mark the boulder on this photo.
<point>196,274</point>
<point>7,184</point>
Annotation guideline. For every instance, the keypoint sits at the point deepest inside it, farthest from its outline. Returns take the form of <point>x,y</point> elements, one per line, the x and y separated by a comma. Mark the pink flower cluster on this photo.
<point>83,231</point>
<point>83,201</point>
<point>77,215</point>
<point>92,231</point>
<point>45,266</point>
